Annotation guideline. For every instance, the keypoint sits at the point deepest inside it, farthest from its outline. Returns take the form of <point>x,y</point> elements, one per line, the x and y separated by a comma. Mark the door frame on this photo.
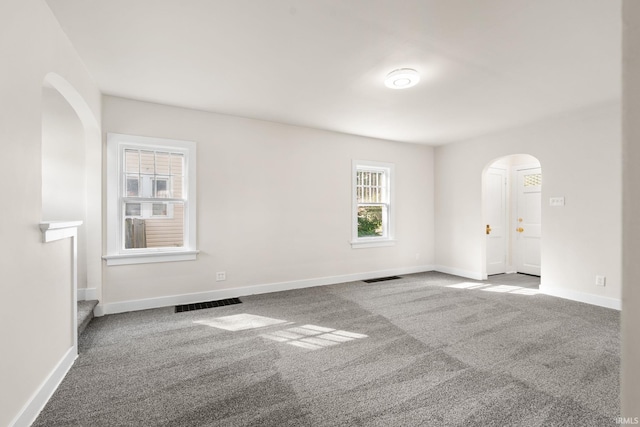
<point>511,211</point>
<point>506,235</point>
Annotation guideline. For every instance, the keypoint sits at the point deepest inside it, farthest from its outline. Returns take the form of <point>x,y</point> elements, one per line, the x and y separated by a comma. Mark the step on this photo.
<point>85,314</point>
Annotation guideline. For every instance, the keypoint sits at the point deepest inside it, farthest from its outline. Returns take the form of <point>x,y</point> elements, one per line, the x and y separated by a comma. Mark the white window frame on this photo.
<point>116,254</point>
<point>370,242</point>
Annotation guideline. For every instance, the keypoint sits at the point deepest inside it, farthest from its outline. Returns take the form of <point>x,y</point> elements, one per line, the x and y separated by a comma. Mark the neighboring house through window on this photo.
<point>372,204</point>
<point>150,200</point>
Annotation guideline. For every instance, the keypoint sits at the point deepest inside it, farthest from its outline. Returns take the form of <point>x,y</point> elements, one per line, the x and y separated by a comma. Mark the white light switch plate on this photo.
<point>556,201</point>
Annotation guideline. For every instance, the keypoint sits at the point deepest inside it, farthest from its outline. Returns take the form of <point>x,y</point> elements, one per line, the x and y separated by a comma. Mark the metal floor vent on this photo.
<point>382,279</point>
<point>208,304</point>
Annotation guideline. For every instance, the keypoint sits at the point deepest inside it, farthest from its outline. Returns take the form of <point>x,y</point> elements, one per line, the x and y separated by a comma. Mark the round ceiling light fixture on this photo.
<point>402,78</point>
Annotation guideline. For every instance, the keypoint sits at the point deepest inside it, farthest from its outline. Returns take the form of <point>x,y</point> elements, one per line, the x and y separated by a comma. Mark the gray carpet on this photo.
<point>408,352</point>
<point>85,314</point>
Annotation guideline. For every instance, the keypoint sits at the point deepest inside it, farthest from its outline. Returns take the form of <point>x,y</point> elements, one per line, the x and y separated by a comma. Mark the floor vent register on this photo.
<point>207,304</point>
<point>382,279</point>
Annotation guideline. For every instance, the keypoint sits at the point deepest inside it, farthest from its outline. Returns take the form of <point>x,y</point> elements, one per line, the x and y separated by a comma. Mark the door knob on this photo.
<point>488,229</point>
<point>519,229</point>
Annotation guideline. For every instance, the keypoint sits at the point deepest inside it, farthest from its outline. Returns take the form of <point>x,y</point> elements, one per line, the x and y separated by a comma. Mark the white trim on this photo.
<point>115,254</point>
<point>144,304</point>
<point>459,272</point>
<point>58,230</point>
<point>527,166</point>
<point>607,302</point>
<point>39,399</point>
<point>368,242</point>
<point>373,243</point>
<point>87,294</point>
<point>150,257</point>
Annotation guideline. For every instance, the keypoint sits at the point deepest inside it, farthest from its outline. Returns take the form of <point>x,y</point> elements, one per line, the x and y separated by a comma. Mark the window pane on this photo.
<point>132,209</point>
<point>134,233</point>
<point>371,187</point>
<point>148,232</point>
<point>132,187</point>
<point>169,231</point>
<point>132,161</point>
<point>176,186</point>
<point>162,187</point>
<point>147,162</point>
<point>162,164</point>
<point>160,209</point>
<point>177,164</point>
<point>533,180</point>
<point>370,221</point>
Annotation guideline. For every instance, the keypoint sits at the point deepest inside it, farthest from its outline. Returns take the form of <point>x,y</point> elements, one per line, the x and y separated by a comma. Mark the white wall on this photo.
<point>580,155</point>
<point>630,374</point>
<point>36,281</point>
<point>274,204</point>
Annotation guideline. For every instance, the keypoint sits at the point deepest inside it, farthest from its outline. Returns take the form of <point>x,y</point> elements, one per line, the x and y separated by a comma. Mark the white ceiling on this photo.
<point>486,65</point>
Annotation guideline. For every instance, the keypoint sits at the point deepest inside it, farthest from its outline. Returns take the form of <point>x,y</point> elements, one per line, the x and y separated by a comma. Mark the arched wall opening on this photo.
<point>72,175</point>
<point>512,215</point>
<point>63,168</point>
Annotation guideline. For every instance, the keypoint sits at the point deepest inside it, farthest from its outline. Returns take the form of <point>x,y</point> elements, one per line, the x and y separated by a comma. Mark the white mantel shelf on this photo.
<point>56,230</point>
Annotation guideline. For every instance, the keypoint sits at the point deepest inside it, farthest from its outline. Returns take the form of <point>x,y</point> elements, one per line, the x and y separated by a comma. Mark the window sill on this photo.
<point>150,257</point>
<point>374,243</point>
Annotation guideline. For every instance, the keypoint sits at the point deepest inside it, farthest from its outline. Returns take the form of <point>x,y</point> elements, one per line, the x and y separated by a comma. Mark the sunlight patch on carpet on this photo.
<point>488,287</point>
<point>468,285</point>
<point>313,337</point>
<point>240,322</point>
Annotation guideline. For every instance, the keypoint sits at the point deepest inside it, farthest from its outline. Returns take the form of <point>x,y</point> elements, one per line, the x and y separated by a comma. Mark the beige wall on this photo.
<point>630,378</point>
<point>274,203</point>
<point>580,155</point>
<point>36,283</point>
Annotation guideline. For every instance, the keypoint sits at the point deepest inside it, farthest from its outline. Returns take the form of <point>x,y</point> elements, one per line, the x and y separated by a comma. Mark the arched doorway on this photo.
<point>512,207</point>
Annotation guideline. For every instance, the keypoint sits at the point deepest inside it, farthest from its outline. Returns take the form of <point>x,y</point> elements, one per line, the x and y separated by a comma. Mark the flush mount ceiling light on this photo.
<point>402,78</point>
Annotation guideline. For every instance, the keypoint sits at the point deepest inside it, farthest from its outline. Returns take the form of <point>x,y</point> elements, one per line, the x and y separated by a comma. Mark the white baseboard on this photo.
<point>87,294</point>
<point>458,272</point>
<point>144,304</point>
<point>578,296</point>
<point>32,408</point>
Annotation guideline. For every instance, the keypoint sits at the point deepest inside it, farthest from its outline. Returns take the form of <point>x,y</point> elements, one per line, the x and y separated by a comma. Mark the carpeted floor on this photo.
<point>428,349</point>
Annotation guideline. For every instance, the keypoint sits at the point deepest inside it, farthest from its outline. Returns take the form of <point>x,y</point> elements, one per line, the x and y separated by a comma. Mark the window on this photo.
<point>372,204</point>
<point>150,200</point>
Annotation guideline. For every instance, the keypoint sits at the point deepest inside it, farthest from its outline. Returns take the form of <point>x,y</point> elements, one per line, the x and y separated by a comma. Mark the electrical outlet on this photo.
<point>220,276</point>
<point>601,280</point>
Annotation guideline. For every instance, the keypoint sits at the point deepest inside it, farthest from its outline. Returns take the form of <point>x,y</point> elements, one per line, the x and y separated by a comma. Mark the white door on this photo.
<point>529,221</point>
<point>496,220</point>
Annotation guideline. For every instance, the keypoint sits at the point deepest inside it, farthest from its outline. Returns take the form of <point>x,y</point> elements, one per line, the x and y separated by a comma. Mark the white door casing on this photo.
<point>528,223</point>
<point>495,203</point>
